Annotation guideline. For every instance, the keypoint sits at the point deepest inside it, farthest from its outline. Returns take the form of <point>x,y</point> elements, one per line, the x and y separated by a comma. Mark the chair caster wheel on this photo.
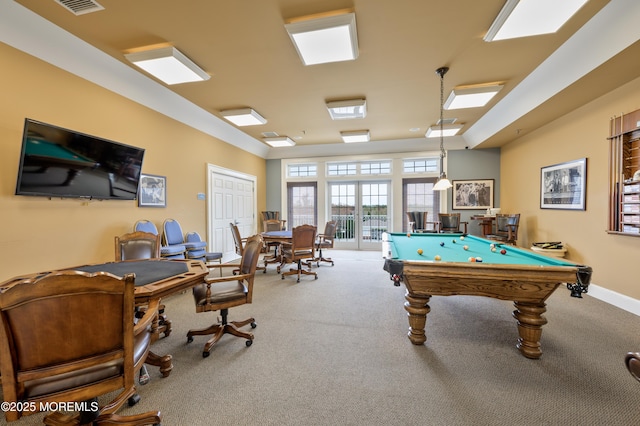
<point>133,400</point>
<point>205,354</point>
<point>254,325</point>
<point>189,339</point>
<point>249,343</point>
<point>316,277</point>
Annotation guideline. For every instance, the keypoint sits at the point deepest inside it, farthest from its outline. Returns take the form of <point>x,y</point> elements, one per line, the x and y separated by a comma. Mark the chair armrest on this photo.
<point>150,313</point>
<point>213,280</point>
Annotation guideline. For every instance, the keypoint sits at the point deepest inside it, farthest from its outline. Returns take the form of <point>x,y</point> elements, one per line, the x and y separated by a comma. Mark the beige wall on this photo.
<point>582,133</point>
<point>38,233</point>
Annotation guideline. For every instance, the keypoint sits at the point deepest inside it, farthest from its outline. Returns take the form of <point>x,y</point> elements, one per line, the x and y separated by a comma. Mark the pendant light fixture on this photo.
<point>443,183</point>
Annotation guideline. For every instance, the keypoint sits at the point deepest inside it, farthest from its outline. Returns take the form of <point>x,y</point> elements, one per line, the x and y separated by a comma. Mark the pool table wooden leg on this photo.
<point>530,322</point>
<point>417,309</point>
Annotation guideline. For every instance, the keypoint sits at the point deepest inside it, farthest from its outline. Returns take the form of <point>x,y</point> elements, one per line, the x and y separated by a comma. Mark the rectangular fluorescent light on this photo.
<point>523,18</point>
<point>280,141</point>
<point>243,117</point>
<point>325,37</point>
<point>447,130</point>
<point>167,64</point>
<point>471,96</point>
<point>347,110</point>
<point>356,136</point>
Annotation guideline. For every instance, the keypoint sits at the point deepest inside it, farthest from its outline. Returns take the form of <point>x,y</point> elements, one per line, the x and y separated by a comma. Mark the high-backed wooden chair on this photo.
<point>302,247</point>
<point>272,225</point>
<point>222,293</point>
<point>418,222</point>
<point>142,245</point>
<point>78,343</point>
<point>506,228</point>
<point>272,215</point>
<point>239,244</point>
<point>450,223</point>
<point>325,241</point>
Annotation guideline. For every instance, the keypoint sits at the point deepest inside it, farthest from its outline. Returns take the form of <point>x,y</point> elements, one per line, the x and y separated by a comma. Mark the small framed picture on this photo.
<point>473,194</point>
<point>152,191</point>
<point>563,186</point>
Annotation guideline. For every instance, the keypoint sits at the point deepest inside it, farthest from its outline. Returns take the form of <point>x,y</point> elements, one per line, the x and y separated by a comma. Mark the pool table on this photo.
<point>520,275</point>
<point>47,154</point>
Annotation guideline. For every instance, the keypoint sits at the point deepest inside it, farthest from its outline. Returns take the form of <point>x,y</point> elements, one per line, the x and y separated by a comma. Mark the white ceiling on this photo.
<point>244,46</point>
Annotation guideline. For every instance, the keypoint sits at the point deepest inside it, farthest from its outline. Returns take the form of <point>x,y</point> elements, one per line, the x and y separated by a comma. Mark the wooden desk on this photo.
<point>155,279</point>
<point>486,223</point>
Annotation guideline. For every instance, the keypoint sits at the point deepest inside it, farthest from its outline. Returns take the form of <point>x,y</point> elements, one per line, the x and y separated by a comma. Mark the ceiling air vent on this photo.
<point>80,7</point>
<point>270,134</point>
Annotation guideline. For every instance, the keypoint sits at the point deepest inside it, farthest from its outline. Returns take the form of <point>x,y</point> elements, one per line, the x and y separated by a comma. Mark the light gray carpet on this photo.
<point>334,351</point>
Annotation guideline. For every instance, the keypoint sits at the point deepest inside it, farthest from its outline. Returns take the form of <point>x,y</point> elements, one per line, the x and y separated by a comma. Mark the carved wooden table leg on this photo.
<point>164,362</point>
<point>417,309</point>
<point>530,322</point>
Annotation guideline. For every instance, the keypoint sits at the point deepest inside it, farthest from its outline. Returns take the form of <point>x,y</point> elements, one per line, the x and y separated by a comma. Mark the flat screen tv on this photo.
<point>61,163</point>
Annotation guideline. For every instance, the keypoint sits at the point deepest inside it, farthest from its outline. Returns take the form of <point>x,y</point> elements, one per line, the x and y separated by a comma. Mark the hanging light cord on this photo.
<point>441,72</point>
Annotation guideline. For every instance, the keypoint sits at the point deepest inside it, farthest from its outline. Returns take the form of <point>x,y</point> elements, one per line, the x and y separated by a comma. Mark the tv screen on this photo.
<point>57,162</point>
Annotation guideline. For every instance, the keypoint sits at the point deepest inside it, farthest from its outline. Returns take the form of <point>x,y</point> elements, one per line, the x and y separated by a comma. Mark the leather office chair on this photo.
<point>79,343</point>
<point>272,215</point>
<point>170,252</point>
<point>239,244</point>
<point>136,246</point>
<point>506,228</point>
<point>302,247</point>
<point>418,222</point>
<point>172,236</point>
<point>451,223</point>
<point>222,293</point>
<point>272,225</point>
<point>325,241</point>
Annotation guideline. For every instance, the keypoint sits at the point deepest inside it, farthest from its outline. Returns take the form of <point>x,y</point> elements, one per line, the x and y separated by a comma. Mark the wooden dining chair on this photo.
<point>301,248</point>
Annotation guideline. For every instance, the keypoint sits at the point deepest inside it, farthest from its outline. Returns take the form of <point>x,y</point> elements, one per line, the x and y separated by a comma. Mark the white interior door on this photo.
<point>231,199</point>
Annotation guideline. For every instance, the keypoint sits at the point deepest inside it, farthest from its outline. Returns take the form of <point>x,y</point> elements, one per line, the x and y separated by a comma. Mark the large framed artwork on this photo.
<point>473,194</point>
<point>153,191</point>
<point>563,186</point>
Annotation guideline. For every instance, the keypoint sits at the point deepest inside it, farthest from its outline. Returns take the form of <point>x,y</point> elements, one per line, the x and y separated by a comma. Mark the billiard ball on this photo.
<point>453,241</point>
<point>408,235</point>
<point>503,251</point>
<point>437,257</point>
<point>441,243</point>
<point>493,249</point>
<point>466,247</point>
<point>461,237</point>
<point>492,245</point>
<point>420,252</point>
<point>472,259</point>
<point>478,259</point>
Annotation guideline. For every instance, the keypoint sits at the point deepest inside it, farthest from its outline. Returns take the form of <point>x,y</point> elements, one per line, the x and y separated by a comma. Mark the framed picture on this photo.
<point>473,194</point>
<point>152,191</point>
<point>563,186</point>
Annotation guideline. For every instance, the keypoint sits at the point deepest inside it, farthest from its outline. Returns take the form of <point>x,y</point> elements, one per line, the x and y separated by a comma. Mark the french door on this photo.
<point>361,211</point>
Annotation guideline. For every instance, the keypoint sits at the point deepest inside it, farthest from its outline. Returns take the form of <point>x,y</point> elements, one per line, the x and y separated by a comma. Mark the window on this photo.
<point>341,169</point>
<point>375,168</point>
<point>418,195</point>
<point>302,201</point>
<point>302,170</point>
<point>421,165</point>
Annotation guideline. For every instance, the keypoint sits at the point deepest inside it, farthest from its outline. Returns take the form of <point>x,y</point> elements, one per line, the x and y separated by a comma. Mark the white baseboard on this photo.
<point>616,299</point>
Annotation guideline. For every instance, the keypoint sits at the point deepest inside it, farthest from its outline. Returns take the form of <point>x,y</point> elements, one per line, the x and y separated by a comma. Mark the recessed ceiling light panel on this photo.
<point>449,130</point>
<point>279,142</point>
<point>243,117</point>
<point>356,136</point>
<point>347,110</point>
<point>471,96</point>
<point>523,18</point>
<point>167,64</point>
<point>326,37</point>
